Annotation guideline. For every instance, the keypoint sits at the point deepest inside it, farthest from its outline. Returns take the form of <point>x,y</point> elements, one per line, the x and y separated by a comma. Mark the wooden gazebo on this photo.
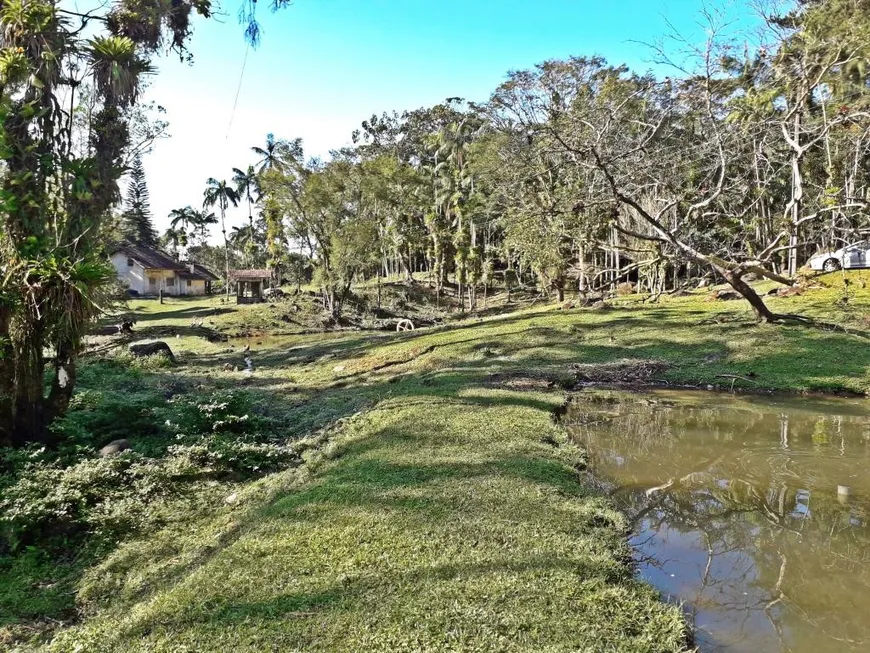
<point>250,285</point>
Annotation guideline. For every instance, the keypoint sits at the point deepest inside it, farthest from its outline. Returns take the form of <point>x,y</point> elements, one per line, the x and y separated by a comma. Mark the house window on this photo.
<point>170,282</point>
<point>153,283</point>
<point>129,263</point>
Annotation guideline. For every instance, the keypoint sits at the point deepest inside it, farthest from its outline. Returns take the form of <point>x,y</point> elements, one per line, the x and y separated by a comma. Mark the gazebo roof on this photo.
<point>250,275</point>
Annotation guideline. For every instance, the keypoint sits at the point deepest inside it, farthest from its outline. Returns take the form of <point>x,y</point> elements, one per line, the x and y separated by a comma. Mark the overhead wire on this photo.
<point>238,91</point>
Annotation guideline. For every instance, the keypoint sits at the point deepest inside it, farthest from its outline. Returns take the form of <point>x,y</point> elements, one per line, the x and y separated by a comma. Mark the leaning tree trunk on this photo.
<point>732,273</point>
<point>736,281</point>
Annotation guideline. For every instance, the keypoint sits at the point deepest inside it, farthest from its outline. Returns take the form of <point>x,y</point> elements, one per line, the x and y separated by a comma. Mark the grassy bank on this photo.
<point>450,522</point>
<point>425,499</point>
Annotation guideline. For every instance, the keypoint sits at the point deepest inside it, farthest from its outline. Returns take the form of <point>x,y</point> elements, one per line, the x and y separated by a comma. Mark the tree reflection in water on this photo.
<point>737,512</point>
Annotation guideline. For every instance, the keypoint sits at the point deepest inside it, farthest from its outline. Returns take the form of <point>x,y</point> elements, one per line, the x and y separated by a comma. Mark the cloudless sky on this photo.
<point>325,65</point>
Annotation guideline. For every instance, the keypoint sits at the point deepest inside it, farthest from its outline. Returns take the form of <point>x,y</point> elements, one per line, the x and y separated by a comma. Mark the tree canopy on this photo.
<point>747,159</point>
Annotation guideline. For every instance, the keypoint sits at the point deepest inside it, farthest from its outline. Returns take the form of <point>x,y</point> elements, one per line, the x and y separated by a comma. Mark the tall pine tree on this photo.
<point>136,223</point>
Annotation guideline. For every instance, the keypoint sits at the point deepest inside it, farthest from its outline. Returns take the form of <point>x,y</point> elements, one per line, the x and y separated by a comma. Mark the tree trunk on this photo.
<point>617,263</point>
<point>28,414</point>
<point>442,270</point>
<point>379,288</point>
<point>409,267</point>
<point>64,381</point>
<point>226,253</point>
<point>797,194</point>
<point>338,301</point>
<point>6,385</point>
<point>735,280</point>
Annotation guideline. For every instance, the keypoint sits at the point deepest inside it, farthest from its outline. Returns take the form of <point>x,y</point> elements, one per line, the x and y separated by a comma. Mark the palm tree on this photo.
<point>221,194</point>
<point>185,217</point>
<point>202,222</point>
<point>277,154</point>
<point>247,183</point>
<point>174,239</point>
<point>191,222</point>
<point>270,155</point>
<point>244,240</point>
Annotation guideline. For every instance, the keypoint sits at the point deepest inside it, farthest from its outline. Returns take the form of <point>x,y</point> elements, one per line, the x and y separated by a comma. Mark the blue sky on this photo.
<point>325,65</point>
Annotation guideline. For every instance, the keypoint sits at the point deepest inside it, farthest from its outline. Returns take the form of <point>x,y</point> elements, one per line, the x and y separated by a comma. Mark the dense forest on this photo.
<point>577,174</point>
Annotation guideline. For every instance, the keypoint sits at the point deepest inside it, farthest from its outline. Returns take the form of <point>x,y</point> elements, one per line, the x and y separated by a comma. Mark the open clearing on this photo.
<point>436,505</point>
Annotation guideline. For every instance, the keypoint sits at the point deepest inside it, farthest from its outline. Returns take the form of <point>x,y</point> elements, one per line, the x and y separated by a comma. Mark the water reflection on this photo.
<point>751,512</point>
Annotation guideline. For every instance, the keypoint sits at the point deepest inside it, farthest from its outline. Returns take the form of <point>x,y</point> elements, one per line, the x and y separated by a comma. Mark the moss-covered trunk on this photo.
<point>28,418</point>
<point>5,376</point>
<point>63,383</point>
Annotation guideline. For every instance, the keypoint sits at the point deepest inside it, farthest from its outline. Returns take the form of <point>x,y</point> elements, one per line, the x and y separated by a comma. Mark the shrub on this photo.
<point>49,500</point>
<point>625,288</point>
<point>99,417</point>
<point>49,495</point>
<point>223,433</point>
<point>220,412</point>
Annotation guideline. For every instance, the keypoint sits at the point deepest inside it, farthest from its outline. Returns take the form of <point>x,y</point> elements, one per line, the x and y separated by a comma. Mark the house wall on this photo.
<point>166,279</point>
<point>195,287</point>
<point>139,279</point>
<point>133,276</point>
<point>157,280</point>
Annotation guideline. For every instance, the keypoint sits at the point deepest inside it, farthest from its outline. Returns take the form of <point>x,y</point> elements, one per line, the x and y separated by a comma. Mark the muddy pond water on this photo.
<point>752,512</point>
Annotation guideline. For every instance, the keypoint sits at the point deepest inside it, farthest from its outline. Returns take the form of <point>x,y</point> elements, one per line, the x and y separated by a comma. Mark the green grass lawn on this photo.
<point>431,524</point>
<point>439,507</point>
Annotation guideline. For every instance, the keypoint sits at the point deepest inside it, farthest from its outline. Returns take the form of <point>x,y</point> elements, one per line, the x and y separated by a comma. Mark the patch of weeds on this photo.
<point>36,585</point>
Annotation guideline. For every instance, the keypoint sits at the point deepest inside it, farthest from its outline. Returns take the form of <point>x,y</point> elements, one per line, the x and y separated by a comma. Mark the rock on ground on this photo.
<point>114,448</point>
<point>152,349</point>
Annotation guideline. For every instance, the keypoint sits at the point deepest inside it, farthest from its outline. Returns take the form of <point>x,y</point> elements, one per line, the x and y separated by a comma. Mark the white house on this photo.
<point>147,271</point>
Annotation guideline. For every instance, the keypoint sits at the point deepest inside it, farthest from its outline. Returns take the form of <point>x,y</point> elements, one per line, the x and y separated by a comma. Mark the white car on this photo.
<point>856,255</point>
